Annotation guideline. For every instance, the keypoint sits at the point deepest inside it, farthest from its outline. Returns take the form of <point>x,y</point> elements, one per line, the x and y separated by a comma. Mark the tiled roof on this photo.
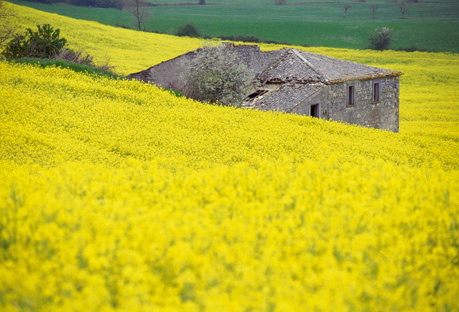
<point>285,98</point>
<point>335,70</point>
<point>305,67</point>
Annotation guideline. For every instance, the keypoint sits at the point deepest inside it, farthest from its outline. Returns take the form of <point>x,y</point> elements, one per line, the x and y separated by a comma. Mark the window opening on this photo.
<point>351,99</point>
<point>376,92</point>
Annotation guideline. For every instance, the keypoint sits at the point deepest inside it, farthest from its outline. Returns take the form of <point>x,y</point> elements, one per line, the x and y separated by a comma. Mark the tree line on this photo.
<point>117,4</point>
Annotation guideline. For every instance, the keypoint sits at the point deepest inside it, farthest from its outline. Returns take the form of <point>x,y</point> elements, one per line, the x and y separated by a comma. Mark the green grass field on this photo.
<point>431,25</point>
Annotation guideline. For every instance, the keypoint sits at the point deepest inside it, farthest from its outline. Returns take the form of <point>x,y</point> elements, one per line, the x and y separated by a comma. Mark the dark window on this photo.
<point>351,99</point>
<point>376,92</point>
<point>315,110</point>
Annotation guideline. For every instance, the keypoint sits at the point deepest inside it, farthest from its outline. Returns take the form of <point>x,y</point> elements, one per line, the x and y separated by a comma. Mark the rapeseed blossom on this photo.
<point>118,196</point>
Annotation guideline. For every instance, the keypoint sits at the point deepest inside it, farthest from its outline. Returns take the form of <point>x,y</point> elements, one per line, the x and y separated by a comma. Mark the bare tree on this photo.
<point>346,7</point>
<point>8,23</point>
<point>403,7</point>
<point>140,12</point>
<point>374,7</point>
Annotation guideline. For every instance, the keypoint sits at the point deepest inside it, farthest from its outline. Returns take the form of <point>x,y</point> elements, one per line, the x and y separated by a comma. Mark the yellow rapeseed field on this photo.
<point>118,196</point>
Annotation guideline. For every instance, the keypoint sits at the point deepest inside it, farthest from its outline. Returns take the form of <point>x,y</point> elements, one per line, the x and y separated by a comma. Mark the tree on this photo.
<point>346,7</point>
<point>374,7</point>
<point>8,23</point>
<point>280,2</point>
<point>403,7</point>
<point>43,43</point>
<point>202,2</point>
<point>140,12</point>
<point>214,75</point>
<point>188,30</point>
<point>381,39</point>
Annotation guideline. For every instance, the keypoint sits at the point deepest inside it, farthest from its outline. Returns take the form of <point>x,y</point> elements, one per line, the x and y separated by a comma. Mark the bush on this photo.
<point>250,39</point>
<point>188,30</point>
<point>43,43</point>
<point>214,75</point>
<point>241,38</point>
<point>414,48</point>
<point>381,39</point>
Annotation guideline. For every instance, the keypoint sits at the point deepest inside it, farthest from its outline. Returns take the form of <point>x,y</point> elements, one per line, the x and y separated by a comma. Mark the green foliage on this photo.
<point>381,39</point>
<point>215,76</point>
<point>434,26</point>
<point>43,43</point>
<point>188,30</point>
<point>250,39</point>
<point>84,68</point>
<point>117,4</point>
<point>413,48</point>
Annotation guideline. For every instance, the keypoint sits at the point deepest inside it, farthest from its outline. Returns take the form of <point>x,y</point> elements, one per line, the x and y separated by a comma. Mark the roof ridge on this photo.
<point>297,53</point>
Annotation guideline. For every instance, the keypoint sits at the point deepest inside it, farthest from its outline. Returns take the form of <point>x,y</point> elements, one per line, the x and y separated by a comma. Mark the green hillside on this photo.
<point>428,25</point>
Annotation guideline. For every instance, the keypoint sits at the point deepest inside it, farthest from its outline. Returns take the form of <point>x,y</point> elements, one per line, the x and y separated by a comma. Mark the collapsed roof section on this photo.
<point>285,98</point>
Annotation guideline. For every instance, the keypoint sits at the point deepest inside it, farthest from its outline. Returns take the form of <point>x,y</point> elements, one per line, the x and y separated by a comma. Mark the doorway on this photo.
<point>314,111</point>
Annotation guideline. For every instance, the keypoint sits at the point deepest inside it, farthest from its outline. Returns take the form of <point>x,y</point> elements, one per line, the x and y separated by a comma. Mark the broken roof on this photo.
<point>276,99</point>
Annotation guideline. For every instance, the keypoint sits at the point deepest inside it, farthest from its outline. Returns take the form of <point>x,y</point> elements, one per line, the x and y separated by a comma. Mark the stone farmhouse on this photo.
<point>303,83</point>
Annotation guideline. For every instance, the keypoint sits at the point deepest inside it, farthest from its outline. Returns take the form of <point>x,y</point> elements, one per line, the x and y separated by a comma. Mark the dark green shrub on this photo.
<point>43,43</point>
<point>381,39</point>
<point>188,30</point>
<point>414,48</point>
<point>252,39</point>
<point>241,38</point>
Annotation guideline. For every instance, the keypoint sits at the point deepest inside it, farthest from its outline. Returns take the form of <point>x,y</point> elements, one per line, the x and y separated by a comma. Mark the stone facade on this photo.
<point>303,83</point>
<point>380,113</point>
<point>332,103</point>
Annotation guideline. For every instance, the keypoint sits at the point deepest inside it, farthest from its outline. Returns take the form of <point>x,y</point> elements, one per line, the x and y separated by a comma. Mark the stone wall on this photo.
<point>330,99</point>
<point>170,74</point>
<point>320,98</point>
<point>382,114</point>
